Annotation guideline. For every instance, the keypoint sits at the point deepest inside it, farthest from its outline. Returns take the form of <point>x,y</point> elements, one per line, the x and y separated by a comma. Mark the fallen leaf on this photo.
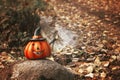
<point>97,61</point>
<point>103,74</point>
<point>90,69</point>
<point>89,75</point>
<point>105,63</point>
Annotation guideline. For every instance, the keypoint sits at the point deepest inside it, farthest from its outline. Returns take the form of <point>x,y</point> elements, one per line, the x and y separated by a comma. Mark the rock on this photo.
<point>40,70</point>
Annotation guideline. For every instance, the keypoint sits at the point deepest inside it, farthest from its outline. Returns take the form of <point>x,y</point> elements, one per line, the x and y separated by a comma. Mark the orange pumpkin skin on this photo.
<point>37,49</point>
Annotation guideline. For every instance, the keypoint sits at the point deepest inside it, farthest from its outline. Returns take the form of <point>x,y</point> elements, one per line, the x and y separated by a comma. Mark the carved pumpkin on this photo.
<point>37,47</point>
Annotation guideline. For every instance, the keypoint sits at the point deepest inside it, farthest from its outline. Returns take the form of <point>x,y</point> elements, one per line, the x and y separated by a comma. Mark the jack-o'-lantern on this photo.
<point>37,47</point>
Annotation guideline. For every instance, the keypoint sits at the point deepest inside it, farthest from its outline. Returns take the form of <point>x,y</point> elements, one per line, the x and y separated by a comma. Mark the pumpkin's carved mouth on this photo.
<point>38,52</point>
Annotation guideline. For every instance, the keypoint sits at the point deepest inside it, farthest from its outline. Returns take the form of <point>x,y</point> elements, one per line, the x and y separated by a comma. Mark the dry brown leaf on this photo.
<point>103,74</point>
<point>97,61</point>
<point>105,63</point>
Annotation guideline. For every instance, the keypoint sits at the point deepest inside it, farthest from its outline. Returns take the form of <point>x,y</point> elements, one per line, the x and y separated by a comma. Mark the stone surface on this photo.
<point>40,70</point>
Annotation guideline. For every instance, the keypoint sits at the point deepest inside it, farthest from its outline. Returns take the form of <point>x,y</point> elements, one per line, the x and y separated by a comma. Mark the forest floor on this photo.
<point>98,27</point>
<point>97,55</point>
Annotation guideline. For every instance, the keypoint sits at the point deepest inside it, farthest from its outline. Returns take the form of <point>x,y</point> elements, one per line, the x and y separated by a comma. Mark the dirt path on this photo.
<point>94,25</point>
<point>98,27</point>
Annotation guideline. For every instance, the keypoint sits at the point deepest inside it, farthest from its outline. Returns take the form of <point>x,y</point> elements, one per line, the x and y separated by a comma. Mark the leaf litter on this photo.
<point>96,24</point>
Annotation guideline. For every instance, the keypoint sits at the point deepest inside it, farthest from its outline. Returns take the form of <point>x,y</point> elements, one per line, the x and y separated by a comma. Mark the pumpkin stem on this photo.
<point>37,31</point>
